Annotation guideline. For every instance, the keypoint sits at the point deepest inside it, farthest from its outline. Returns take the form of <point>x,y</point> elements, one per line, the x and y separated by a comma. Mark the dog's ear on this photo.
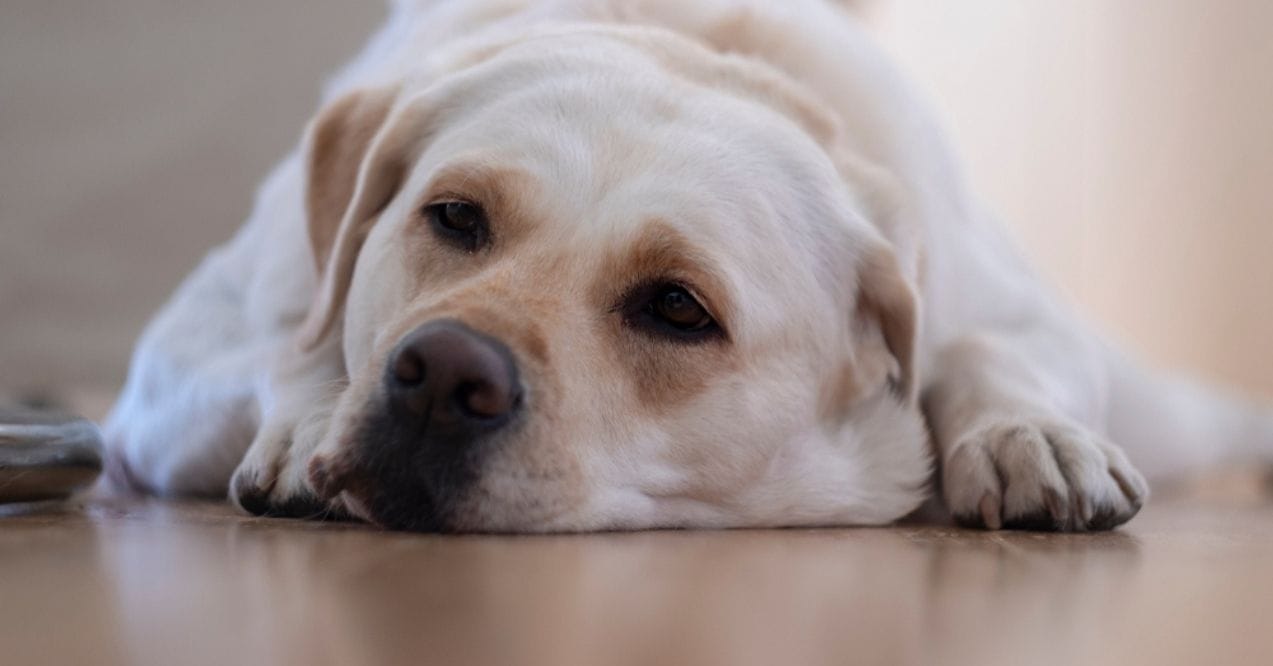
<point>887,311</point>
<point>356,153</point>
<point>336,143</point>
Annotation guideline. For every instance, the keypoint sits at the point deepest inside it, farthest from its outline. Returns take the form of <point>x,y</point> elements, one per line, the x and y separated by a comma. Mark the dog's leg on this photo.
<point>188,408</point>
<point>192,401</point>
<point>1016,415</point>
<point>273,477</point>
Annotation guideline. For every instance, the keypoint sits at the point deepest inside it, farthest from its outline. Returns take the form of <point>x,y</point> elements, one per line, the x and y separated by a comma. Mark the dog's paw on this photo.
<point>273,479</point>
<point>1041,475</point>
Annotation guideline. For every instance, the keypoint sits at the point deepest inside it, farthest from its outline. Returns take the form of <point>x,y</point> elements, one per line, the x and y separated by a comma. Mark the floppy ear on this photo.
<point>886,301</point>
<point>355,164</point>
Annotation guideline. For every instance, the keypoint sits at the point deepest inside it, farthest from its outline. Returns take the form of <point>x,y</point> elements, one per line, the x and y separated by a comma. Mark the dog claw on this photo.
<point>989,507</point>
<point>1056,507</point>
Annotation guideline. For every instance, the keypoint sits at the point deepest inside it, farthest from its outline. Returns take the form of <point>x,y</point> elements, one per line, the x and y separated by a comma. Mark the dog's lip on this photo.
<point>357,508</point>
<point>324,477</point>
<point>336,479</point>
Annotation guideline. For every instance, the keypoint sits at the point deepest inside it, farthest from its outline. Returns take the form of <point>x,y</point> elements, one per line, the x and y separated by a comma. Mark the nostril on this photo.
<point>485,399</point>
<point>408,368</point>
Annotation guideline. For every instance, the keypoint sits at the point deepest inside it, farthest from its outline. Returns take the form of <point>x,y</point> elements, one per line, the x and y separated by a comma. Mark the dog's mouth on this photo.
<point>378,508</point>
<point>403,474</point>
<point>382,492</point>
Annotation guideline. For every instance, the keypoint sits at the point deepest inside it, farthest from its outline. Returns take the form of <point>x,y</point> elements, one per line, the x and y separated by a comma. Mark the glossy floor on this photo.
<point>145,582</point>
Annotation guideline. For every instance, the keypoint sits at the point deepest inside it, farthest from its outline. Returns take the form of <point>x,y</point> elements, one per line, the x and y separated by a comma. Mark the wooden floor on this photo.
<point>147,582</point>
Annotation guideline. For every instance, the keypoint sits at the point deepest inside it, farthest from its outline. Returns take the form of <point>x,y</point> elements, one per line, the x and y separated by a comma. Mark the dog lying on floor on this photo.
<point>605,264</point>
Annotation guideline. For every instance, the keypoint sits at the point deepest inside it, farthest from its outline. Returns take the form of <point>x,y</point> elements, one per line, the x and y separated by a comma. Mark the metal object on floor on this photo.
<point>46,455</point>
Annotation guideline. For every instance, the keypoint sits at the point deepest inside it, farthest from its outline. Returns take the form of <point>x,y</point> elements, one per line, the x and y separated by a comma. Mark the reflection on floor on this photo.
<point>147,582</point>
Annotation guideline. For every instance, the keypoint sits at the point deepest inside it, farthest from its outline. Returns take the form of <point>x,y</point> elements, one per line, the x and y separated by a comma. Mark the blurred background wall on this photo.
<point>1128,146</point>
<point>133,134</point>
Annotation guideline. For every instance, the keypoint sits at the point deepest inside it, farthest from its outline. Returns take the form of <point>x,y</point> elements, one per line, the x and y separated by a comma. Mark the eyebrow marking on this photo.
<point>505,193</point>
<point>660,252</point>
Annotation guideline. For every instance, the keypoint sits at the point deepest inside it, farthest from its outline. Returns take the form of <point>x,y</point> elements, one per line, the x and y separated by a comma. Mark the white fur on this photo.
<point>1020,399</point>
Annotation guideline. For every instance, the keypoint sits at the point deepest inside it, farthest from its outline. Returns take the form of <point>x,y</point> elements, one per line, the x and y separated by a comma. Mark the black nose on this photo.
<point>448,376</point>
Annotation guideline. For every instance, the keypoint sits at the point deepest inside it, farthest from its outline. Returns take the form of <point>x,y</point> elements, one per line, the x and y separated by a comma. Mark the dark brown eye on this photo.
<point>459,222</point>
<point>460,216</point>
<point>668,311</point>
<point>677,307</point>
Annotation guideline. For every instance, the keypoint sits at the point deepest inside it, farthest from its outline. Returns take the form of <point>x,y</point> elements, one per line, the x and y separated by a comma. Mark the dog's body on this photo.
<point>627,161</point>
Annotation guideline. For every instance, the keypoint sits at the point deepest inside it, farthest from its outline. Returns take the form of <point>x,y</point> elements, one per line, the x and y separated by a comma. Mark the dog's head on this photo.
<point>606,279</point>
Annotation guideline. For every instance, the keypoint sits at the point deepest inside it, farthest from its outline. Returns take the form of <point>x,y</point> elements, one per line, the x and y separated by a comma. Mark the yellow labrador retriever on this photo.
<point>622,264</point>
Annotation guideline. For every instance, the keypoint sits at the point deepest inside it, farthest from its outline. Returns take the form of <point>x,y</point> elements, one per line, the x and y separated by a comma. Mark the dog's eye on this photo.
<point>460,222</point>
<point>669,311</point>
<point>675,306</point>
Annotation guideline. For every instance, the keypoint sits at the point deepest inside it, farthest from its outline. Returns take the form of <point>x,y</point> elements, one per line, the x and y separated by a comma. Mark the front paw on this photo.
<point>273,480</point>
<point>1022,473</point>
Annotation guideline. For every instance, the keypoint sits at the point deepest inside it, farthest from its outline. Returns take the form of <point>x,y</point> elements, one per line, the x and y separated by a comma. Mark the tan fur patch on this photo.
<point>665,372</point>
<point>661,252</point>
<point>501,190</point>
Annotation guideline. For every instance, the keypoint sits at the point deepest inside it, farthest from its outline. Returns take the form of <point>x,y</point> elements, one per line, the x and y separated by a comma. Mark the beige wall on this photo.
<point>132,136</point>
<point>1127,143</point>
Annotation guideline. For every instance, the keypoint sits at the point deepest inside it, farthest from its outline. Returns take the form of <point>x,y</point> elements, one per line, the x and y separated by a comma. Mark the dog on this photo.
<point>576,265</point>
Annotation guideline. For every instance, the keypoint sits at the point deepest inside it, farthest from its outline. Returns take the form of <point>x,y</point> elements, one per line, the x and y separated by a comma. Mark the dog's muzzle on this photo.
<point>447,393</point>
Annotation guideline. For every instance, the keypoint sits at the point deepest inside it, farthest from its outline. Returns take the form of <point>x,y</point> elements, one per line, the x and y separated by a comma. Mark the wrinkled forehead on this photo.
<point>587,111</point>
